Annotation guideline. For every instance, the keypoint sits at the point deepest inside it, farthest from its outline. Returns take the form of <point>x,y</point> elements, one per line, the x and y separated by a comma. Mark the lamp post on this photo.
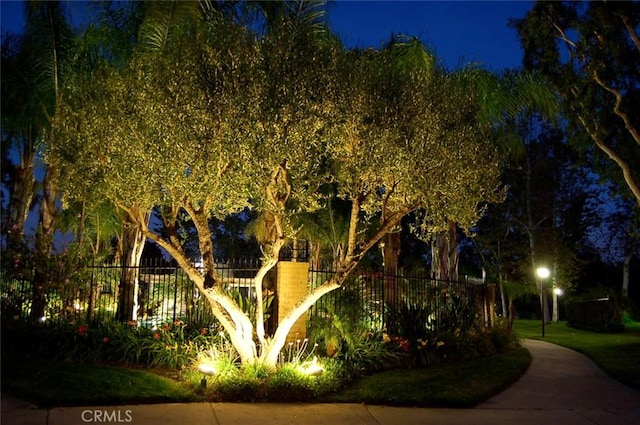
<point>556,293</point>
<point>542,273</point>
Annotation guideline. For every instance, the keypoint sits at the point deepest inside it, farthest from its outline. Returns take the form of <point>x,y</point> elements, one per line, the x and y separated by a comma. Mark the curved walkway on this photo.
<point>560,387</point>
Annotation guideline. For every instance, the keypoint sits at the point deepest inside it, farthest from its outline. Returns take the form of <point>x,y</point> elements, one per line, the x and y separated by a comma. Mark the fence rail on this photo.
<point>165,293</point>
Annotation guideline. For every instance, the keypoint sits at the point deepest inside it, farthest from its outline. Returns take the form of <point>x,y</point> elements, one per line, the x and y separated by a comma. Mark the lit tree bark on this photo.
<point>131,244</point>
<point>444,251</point>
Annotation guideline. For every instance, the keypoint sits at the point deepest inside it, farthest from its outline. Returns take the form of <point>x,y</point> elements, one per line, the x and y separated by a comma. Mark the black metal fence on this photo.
<point>367,293</point>
<point>165,293</point>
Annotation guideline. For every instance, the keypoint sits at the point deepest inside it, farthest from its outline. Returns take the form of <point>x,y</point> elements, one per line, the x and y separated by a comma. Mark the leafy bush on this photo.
<point>503,338</point>
<point>288,382</point>
<point>409,320</point>
<point>457,313</point>
<point>370,352</point>
<point>345,336</point>
<point>459,345</point>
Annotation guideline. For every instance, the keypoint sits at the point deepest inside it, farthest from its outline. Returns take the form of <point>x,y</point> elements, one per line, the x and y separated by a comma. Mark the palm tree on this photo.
<point>19,136</point>
<point>36,73</point>
<point>326,230</point>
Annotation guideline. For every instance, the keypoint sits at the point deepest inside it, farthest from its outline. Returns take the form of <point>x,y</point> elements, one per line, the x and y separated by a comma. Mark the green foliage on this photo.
<point>458,345</point>
<point>248,305</point>
<point>286,383</point>
<point>173,346</point>
<point>168,346</point>
<point>64,276</point>
<point>369,352</point>
<point>346,336</point>
<point>408,319</point>
<point>449,333</point>
<point>456,313</point>
<point>210,118</point>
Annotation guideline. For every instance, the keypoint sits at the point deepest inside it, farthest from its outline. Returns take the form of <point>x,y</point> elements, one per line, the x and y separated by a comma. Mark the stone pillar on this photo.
<point>291,286</point>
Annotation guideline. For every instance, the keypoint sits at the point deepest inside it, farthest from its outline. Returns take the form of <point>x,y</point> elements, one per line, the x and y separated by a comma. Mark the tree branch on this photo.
<point>619,112</point>
<point>632,32</point>
<point>624,166</point>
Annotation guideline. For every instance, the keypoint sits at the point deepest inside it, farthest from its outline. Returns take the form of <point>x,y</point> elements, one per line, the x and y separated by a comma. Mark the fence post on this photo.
<point>90,307</point>
<point>175,293</point>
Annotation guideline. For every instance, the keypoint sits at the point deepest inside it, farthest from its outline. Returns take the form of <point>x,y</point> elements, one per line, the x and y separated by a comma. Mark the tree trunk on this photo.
<point>625,275</point>
<point>503,301</point>
<point>444,254</point>
<point>391,253</point>
<point>44,241</point>
<point>21,198</point>
<point>505,311</point>
<point>131,246</point>
<point>314,255</point>
<point>512,314</point>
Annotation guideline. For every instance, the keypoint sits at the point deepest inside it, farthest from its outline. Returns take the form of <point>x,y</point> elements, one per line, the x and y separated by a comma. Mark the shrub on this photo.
<point>457,313</point>
<point>459,345</point>
<point>368,352</point>
<point>409,320</point>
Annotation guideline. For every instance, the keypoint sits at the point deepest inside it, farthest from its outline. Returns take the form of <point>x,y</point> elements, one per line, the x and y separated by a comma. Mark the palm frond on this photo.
<point>412,55</point>
<point>163,20</point>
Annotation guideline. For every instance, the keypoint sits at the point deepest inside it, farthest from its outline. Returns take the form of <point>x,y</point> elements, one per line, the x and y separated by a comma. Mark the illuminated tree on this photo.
<point>222,119</point>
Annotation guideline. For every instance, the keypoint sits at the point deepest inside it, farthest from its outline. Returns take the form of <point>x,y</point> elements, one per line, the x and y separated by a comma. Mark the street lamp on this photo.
<point>543,273</point>
<point>556,293</point>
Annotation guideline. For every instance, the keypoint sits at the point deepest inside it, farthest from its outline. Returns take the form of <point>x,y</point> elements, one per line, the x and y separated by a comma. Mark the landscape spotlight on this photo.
<point>312,368</point>
<point>207,369</point>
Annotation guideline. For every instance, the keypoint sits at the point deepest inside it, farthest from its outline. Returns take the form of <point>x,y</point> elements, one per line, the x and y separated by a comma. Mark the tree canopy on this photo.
<point>218,118</point>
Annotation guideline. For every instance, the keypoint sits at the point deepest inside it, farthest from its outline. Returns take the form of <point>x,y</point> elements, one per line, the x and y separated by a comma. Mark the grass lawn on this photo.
<point>448,385</point>
<point>451,385</point>
<point>75,384</point>
<point>617,354</point>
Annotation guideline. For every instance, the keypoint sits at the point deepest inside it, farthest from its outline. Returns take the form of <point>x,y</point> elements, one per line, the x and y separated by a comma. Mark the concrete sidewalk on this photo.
<point>561,387</point>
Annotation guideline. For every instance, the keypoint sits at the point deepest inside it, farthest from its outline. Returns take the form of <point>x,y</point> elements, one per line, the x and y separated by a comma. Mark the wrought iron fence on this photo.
<point>369,291</point>
<point>165,293</point>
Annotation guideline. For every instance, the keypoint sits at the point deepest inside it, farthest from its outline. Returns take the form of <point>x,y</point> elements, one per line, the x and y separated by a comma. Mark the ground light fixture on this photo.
<point>543,273</point>
<point>312,368</point>
<point>207,369</point>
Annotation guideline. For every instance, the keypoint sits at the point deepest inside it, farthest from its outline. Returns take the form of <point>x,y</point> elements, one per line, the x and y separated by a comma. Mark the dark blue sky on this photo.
<point>459,31</point>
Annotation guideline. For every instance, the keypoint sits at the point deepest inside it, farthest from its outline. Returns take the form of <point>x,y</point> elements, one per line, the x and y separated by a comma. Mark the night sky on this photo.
<point>459,32</point>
